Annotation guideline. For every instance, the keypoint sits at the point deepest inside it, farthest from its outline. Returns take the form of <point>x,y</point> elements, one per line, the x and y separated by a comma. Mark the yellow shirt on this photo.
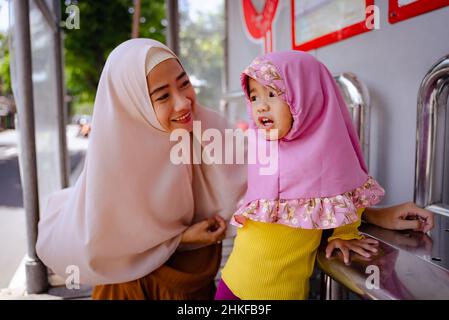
<point>274,262</point>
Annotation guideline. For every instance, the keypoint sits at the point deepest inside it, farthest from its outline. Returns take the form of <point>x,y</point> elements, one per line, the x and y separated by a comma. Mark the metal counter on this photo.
<point>411,265</point>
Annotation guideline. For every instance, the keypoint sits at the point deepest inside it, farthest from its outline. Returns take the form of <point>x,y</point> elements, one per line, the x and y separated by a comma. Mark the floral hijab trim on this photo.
<point>266,73</point>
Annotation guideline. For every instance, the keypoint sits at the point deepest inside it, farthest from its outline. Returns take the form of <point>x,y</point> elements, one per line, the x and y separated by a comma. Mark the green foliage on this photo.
<point>152,20</point>
<point>103,26</point>
<point>5,75</point>
<point>82,108</point>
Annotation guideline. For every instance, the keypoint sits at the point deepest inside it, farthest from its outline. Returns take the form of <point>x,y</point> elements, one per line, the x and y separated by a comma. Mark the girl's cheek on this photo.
<point>254,112</point>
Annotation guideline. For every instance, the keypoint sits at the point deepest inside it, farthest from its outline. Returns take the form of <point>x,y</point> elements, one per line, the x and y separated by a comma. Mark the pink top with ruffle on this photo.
<point>313,213</point>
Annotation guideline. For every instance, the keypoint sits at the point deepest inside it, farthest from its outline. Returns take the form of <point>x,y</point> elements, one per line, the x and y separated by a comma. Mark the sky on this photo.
<point>4,19</point>
<point>198,6</point>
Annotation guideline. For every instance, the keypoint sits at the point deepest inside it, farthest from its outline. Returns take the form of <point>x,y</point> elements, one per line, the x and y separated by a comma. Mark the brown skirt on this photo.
<point>187,275</point>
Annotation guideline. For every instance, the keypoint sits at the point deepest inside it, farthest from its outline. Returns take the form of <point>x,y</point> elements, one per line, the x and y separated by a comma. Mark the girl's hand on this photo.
<point>208,231</point>
<point>365,247</point>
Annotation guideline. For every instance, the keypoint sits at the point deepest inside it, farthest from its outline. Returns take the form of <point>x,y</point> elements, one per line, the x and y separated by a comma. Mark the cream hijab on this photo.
<point>124,216</point>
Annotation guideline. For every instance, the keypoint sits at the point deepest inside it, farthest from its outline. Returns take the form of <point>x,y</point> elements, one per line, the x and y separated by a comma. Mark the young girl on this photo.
<point>321,181</point>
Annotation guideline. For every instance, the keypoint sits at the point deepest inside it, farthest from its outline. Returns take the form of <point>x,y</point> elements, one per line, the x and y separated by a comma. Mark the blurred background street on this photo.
<point>12,214</point>
<point>69,99</point>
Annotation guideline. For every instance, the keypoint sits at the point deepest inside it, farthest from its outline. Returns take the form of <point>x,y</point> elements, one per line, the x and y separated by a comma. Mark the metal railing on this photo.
<point>24,91</point>
<point>431,187</point>
<point>432,138</point>
<point>357,98</point>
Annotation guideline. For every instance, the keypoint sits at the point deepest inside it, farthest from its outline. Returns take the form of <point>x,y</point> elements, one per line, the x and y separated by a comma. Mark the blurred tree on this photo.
<point>201,50</point>
<point>103,26</point>
<point>152,20</point>
<point>5,75</point>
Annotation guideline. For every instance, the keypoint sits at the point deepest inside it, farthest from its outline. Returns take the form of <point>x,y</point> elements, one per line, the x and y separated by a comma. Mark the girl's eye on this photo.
<point>161,98</point>
<point>253,98</point>
<point>185,83</point>
<point>272,94</point>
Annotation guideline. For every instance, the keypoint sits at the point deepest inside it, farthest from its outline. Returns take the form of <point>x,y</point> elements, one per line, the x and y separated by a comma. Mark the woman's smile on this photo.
<point>184,119</point>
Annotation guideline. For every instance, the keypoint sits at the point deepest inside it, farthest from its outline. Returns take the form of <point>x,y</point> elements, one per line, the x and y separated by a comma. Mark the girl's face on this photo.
<point>172,95</point>
<point>269,111</point>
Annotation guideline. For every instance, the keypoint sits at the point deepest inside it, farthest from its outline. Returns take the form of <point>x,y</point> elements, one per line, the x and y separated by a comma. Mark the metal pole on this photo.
<point>331,289</point>
<point>36,272</point>
<point>357,98</point>
<point>224,104</point>
<point>173,25</point>
<point>136,19</point>
<point>62,107</point>
<point>47,14</point>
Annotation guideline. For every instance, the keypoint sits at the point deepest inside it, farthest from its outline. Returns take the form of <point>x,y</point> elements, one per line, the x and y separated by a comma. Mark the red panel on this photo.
<point>259,24</point>
<point>396,13</point>
<point>332,37</point>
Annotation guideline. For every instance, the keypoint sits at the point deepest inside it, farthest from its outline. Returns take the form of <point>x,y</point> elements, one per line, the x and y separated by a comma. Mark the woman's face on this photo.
<point>172,95</point>
<point>270,112</point>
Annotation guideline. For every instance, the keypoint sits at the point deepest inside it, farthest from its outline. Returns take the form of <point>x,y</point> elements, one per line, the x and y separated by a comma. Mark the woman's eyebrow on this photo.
<point>180,76</point>
<point>166,86</point>
<point>158,89</point>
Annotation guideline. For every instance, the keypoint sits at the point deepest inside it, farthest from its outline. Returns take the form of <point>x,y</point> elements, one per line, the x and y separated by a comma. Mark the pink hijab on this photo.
<point>124,216</point>
<point>322,177</point>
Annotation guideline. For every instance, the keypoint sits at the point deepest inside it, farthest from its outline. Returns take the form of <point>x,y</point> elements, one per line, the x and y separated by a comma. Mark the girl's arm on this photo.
<point>349,231</point>
<point>347,238</point>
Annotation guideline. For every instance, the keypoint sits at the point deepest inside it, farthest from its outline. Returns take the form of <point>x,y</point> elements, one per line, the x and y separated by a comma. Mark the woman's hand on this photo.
<point>365,247</point>
<point>401,217</point>
<point>208,231</point>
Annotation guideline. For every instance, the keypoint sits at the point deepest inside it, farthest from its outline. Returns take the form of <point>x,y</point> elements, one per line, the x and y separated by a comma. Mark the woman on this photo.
<point>135,224</point>
<point>131,207</point>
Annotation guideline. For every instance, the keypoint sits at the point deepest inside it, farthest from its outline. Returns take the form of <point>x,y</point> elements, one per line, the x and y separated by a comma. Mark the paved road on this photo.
<point>12,215</point>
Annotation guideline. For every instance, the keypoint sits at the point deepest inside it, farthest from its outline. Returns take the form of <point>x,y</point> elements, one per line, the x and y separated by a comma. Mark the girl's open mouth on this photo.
<point>266,123</point>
